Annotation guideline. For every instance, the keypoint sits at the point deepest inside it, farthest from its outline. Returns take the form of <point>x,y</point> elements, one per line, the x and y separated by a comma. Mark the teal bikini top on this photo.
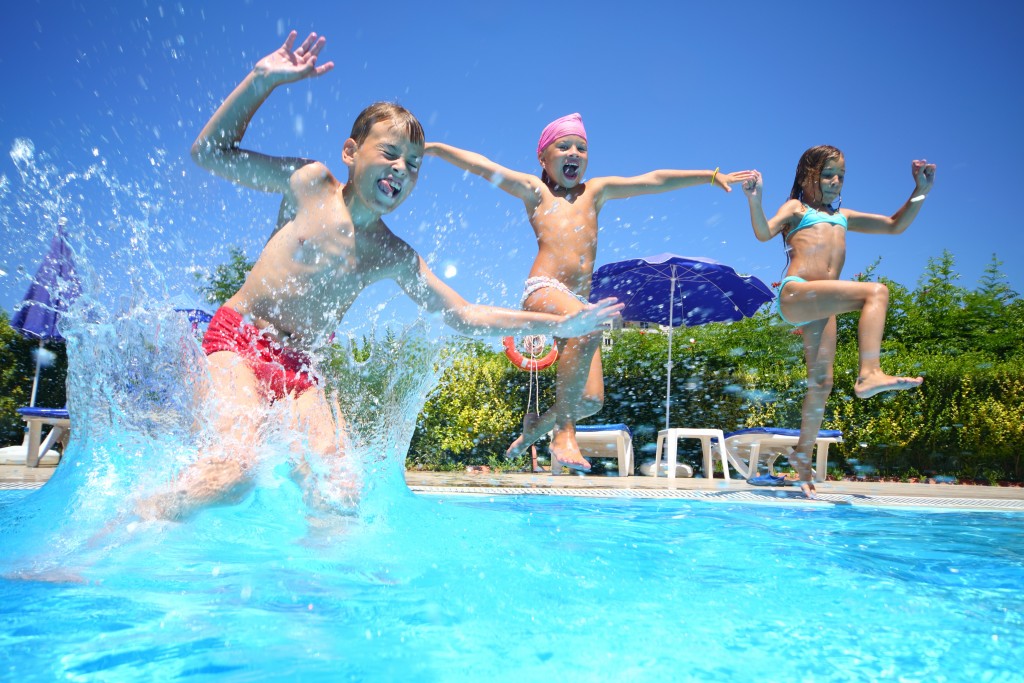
<point>813,217</point>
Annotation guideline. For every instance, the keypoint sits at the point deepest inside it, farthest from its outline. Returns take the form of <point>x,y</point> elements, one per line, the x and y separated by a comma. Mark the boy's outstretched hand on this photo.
<point>590,319</point>
<point>286,65</point>
<point>924,175</point>
<point>724,180</point>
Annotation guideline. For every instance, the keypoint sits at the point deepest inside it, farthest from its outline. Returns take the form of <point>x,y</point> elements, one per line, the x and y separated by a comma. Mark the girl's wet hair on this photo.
<point>400,117</point>
<point>810,165</point>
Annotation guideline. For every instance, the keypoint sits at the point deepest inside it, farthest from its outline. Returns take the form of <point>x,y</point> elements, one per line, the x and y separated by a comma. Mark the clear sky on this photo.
<point>659,85</point>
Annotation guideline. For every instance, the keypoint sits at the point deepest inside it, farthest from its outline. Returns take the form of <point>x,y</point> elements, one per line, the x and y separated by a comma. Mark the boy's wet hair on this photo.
<point>400,117</point>
<point>810,165</point>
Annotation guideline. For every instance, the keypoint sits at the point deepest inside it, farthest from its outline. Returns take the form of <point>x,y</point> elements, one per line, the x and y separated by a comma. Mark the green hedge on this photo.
<point>966,421</point>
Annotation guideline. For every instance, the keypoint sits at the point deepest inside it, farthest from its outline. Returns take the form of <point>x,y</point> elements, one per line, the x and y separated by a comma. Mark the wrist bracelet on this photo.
<point>918,198</point>
<point>714,174</point>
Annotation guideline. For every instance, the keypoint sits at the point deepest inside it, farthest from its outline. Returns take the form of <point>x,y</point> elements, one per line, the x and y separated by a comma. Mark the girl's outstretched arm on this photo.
<point>615,187</point>
<point>764,228</point>
<point>924,179</point>
<point>517,184</point>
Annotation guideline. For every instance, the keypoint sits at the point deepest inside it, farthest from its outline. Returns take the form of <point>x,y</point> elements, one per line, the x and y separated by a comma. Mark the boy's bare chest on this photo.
<point>323,241</point>
<point>334,254</point>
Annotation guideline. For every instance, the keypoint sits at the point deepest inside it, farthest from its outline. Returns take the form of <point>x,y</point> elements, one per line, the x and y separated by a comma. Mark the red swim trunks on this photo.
<point>280,370</point>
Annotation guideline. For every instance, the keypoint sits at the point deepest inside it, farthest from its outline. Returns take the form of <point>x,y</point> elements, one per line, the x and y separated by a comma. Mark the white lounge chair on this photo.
<point>35,450</point>
<point>603,441</point>
<point>745,447</point>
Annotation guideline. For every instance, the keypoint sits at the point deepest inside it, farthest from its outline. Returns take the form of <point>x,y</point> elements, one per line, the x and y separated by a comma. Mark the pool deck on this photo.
<point>953,496</point>
<point>956,496</point>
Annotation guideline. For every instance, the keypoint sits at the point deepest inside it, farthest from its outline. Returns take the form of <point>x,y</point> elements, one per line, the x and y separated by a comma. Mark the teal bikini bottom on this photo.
<point>778,299</point>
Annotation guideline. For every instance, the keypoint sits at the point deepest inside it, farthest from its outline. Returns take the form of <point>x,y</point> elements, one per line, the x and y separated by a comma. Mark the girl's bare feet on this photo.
<point>868,386</point>
<point>517,448</point>
<point>802,464</point>
<point>565,451</point>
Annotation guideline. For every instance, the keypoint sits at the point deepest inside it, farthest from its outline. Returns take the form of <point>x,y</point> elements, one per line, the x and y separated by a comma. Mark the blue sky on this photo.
<point>659,84</point>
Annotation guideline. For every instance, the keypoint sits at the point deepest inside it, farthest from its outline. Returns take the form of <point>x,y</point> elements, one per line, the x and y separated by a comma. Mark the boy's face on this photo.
<point>565,160</point>
<point>384,168</point>
<point>830,182</point>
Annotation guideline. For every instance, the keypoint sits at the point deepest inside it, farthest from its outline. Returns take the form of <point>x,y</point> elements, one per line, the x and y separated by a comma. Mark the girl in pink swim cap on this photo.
<point>566,131</point>
<point>563,210</point>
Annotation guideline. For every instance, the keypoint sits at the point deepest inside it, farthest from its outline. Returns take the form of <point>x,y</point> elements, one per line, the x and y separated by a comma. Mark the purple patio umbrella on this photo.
<point>53,288</point>
<point>679,290</point>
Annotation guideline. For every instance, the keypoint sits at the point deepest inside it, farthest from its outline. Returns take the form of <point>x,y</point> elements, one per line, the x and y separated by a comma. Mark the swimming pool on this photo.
<point>452,588</point>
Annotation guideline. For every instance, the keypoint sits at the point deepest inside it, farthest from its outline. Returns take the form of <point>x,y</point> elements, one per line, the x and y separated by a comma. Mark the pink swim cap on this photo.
<point>560,128</point>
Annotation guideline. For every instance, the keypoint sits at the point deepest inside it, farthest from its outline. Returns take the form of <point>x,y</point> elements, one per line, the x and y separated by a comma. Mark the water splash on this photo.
<point>22,152</point>
<point>140,394</point>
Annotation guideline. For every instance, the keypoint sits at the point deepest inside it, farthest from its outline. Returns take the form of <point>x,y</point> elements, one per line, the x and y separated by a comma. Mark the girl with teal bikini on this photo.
<point>811,293</point>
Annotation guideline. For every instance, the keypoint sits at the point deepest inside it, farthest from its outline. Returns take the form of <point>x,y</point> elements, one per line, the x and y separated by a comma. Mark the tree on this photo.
<point>17,367</point>
<point>472,417</point>
<point>227,278</point>
<point>936,316</point>
<point>993,314</point>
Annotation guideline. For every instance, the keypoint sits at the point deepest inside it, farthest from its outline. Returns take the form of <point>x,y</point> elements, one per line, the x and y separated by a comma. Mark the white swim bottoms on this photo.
<point>535,283</point>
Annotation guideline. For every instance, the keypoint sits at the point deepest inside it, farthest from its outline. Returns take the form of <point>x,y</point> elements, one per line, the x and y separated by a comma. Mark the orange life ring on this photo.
<point>524,363</point>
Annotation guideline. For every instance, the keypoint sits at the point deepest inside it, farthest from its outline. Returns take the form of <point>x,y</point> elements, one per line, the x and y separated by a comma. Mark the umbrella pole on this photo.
<point>35,380</point>
<point>668,381</point>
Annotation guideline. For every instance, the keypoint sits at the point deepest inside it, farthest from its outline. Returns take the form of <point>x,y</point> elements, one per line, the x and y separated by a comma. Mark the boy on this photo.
<point>329,245</point>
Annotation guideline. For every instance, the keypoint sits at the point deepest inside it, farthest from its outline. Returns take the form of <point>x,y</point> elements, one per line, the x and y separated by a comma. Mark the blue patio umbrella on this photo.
<point>197,317</point>
<point>53,288</point>
<point>679,290</point>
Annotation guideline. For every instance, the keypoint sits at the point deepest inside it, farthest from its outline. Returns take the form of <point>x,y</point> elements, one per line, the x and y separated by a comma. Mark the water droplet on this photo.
<point>22,151</point>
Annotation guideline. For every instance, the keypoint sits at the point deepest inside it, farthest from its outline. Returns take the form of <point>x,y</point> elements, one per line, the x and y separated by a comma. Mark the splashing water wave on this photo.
<point>139,391</point>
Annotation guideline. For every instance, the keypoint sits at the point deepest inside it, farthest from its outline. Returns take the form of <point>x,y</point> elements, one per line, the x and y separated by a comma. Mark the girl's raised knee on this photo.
<point>880,292</point>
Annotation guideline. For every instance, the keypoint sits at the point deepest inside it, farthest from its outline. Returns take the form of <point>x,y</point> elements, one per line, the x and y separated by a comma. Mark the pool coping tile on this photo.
<point>831,493</point>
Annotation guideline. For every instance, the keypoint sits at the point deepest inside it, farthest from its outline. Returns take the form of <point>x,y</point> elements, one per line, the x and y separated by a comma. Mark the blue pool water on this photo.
<point>530,588</point>
<point>429,588</point>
